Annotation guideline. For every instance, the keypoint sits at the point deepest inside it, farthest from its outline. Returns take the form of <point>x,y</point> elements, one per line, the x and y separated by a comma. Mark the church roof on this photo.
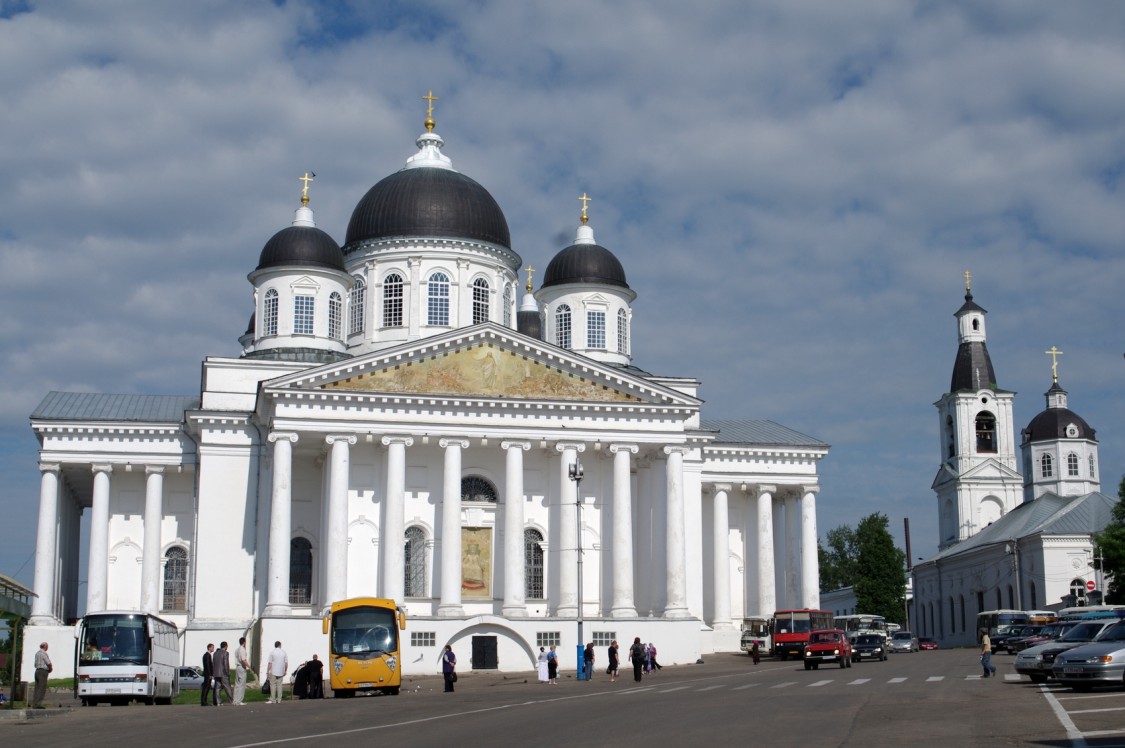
<point>301,245</point>
<point>973,368</point>
<point>1051,424</point>
<point>756,431</point>
<point>96,406</point>
<point>585,263</point>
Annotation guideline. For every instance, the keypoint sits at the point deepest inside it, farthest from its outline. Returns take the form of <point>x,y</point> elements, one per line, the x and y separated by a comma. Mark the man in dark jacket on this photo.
<point>208,677</point>
<point>637,655</point>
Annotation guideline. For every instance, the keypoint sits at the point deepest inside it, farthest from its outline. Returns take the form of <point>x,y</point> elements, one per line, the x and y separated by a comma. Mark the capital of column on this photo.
<point>446,443</point>
<point>810,489</point>
<point>101,468</point>
<point>405,441</point>
<point>289,436</point>
<point>765,488</point>
<point>154,469</point>
<point>576,446</point>
<point>723,487</point>
<point>50,467</point>
<point>506,445</point>
<point>679,449</point>
<point>346,438</point>
<point>630,448</point>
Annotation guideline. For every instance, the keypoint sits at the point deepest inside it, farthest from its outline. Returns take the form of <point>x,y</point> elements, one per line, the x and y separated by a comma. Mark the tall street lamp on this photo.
<point>576,473</point>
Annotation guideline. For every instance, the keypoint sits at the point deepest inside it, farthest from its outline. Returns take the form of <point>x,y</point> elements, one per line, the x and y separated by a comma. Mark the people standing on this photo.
<point>588,660</point>
<point>449,667</point>
<point>221,664</point>
<point>986,654</point>
<point>241,667</point>
<point>611,671</point>
<point>552,666</point>
<point>755,653</point>
<point>43,668</point>
<point>208,677</point>
<point>276,667</point>
<point>316,678</point>
<point>652,663</point>
<point>637,655</point>
<point>543,665</point>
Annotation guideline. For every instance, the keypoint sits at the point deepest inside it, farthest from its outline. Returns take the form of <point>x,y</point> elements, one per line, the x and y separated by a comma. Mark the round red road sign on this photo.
<point>1090,585</point>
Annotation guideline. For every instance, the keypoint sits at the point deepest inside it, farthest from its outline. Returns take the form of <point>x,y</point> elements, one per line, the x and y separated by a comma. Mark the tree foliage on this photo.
<point>866,560</point>
<point>1109,546</point>
<point>838,560</point>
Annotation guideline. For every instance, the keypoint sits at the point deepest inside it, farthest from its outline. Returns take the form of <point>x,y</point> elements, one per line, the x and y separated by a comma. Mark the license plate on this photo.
<point>113,690</point>
<point>1072,670</point>
<point>366,685</point>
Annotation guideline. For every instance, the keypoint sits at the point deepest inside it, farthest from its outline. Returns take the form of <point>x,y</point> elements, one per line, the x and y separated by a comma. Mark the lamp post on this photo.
<point>576,472</point>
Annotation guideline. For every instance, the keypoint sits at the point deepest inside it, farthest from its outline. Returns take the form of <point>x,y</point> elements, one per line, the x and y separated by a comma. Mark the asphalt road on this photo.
<point>933,696</point>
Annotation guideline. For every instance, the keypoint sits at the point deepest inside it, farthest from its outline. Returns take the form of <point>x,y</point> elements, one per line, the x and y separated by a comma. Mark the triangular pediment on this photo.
<point>485,361</point>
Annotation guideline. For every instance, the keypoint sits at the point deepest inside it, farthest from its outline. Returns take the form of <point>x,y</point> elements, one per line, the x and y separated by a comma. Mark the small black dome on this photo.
<point>428,201</point>
<point>1051,424</point>
<point>301,245</point>
<point>585,263</point>
<point>530,324</point>
<point>973,368</point>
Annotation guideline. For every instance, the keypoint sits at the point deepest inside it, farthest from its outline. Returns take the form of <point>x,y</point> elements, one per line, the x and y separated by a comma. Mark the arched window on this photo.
<point>300,571</point>
<point>1091,467</point>
<point>562,326</point>
<point>533,563</point>
<point>963,613</point>
<point>1046,466</point>
<point>1034,596</point>
<point>356,299</point>
<point>986,432</point>
<point>507,305</point>
<point>475,488</point>
<point>952,617</point>
<point>175,578</point>
<point>622,331</point>
<point>1078,589</point>
<point>437,301</point>
<point>950,431</point>
<point>1072,465</point>
<point>335,316</point>
<point>415,562</point>
<point>1011,598</point>
<point>304,308</point>
<point>480,301</point>
<point>392,300</point>
<point>595,330</point>
<point>269,313</point>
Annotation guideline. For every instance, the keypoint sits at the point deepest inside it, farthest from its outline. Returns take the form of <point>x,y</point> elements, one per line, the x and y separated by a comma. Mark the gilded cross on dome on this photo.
<point>529,270</point>
<point>308,177</point>
<point>1054,353</point>
<point>430,99</point>
<point>585,200</point>
<point>968,281</point>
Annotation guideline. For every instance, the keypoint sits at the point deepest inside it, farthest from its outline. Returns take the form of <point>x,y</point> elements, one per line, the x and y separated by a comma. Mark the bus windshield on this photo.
<point>363,633</point>
<point>113,639</point>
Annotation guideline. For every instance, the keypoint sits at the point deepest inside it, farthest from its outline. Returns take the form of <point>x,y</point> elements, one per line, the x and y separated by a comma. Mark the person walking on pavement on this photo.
<point>241,668</point>
<point>637,655</point>
<point>449,667</point>
<point>209,678</point>
<point>588,660</point>
<point>276,667</point>
<point>43,668</point>
<point>552,666</point>
<point>613,662</point>
<point>986,654</point>
<point>221,664</point>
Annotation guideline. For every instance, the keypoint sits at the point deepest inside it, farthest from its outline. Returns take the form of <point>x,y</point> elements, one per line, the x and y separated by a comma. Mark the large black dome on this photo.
<point>428,201</point>
<point>301,245</point>
<point>1051,424</point>
<point>585,263</point>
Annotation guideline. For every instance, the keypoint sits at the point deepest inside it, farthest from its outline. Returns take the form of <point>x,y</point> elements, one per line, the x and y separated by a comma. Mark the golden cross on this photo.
<point>968,281</point>
<point>308,177</point>
<point>430,99</point>
<point>1054,353</point>
<point>585,202</point>
<point>530,270</point>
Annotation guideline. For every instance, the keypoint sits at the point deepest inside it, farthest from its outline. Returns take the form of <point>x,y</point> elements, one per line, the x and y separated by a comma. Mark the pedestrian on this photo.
<point>316,677</point>
<point>241,668</point>
<point>221,665</point>
<point>588,660</point>
<point>637,656</point>
<point>611,671</point>
<point>43,668</point>
<point>542,665</point>
<point>652,663</point>
<point>276,667</point>
<point>449,668</point>
<point>986,654</point>
<point>208,686</point>
<point>755,653</point>
<point>552,667</point>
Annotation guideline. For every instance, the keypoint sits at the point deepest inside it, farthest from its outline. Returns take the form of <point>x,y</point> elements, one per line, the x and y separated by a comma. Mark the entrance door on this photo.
<point>484,653</point>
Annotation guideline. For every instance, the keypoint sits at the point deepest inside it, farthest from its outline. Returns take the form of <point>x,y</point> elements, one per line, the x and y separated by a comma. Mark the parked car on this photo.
<point>926,642</point>
<point>190,678</point>
<point>1038,661</point>
<point>1048,633</point>
<point>1101,662</point>
<point>831,645</point>
<point>1000,641</point>
<point>869,646</point>
<point>903,641</point>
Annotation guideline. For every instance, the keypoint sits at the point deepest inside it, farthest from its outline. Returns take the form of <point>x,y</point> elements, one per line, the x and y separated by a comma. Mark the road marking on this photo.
<point>740,688</point>
<point>819,683</point>
<point>1095,711</point>
<point>935,678</point>
<point>897,680</point>
<point>701,690</point>
<point>785,685</point>
<point>1012,676</point>
<point>672,690</point>
<point>1072,731</point>
<point>859,681</point>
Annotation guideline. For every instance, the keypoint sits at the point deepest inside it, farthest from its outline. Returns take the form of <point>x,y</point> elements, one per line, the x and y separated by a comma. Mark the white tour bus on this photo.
<point>126,656</point>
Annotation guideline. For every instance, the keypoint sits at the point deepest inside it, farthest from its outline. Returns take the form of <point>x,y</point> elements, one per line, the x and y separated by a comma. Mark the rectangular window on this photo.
<point>595,330</point>
<point>303,315</point>
<point>423,638</point>
<point>604,638</point>
<point>547,638</point>
<point>622,331</point>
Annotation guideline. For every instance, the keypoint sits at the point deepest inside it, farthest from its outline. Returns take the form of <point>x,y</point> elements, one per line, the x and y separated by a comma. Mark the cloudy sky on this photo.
<point>795,189</point>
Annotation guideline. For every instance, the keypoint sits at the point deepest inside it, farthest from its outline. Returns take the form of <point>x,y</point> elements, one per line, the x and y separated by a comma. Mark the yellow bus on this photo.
<point>364,650</point>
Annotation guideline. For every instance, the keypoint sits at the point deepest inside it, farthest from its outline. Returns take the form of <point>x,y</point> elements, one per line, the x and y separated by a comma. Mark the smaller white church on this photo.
<point>1007,540</point>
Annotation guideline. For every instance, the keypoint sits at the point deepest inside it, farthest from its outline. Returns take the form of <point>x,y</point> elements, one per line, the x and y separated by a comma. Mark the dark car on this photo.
<point>869,647</point>
<point>1048,633</point>
<point>1000,641</point>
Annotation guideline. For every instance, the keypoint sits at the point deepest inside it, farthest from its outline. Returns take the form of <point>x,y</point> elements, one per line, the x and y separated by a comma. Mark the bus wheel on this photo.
<point>393,691</point>
<point>784,656</point>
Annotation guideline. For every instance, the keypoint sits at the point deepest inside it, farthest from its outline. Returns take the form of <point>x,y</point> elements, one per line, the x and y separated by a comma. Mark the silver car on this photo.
<point>1036,662</point>
<point>1099,663</point>
<point>902,641</point>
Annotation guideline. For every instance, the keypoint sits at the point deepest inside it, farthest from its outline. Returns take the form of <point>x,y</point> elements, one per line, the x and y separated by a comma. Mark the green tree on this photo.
<point>880,585</point>
<point>1109,545</point>
<point>838,560</point>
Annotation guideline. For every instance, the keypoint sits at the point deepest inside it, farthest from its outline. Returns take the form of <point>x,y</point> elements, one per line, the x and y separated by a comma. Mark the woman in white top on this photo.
<point>543,665</point>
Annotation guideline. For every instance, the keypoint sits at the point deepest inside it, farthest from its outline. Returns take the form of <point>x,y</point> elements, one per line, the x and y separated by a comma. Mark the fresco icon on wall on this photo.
<point>476,562</point>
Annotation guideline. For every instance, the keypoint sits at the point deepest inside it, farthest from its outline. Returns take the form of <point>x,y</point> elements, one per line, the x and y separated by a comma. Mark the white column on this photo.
<point>150,553</point>
<point>810,564</point>
<point>394,529</point>
<point>567,605</point>
<point>450,605</point>
<point>621,555</point>
<point>46,548</point>
<point>767,599</point>
<point>676,559</point>
<point>792,551</point>
<point>515,586</point>
<point>281,524</point>
<point>97,570</point>
<point>336,547</point>
<point>779,541</point>
<point>643,590</point>
<point>721,544</point>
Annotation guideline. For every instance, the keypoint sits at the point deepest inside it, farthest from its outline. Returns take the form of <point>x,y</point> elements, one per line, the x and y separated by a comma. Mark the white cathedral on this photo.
<point>398,425</point>
<point>1008,540</point>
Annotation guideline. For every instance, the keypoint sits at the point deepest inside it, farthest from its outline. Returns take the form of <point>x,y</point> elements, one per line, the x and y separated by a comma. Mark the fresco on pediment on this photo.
<point>485,371</point>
